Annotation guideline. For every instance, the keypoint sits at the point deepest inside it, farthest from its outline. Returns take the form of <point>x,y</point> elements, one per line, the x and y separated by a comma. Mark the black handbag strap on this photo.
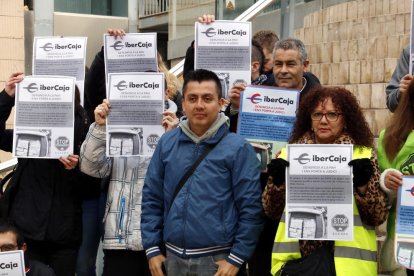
<point>190,171</point>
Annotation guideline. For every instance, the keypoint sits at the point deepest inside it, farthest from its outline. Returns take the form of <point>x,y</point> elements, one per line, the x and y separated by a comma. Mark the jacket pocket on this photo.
<point>223,222</point>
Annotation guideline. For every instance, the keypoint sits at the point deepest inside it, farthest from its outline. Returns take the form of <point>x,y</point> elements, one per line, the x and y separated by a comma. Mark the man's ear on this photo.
<point>255,66</point>
<point>24,247</point>
<point>306,66</point>
<point>221,102</point>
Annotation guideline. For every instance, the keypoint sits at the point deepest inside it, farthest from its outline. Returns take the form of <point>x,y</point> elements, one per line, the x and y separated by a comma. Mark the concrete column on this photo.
<point>287,19</point>
<point>173,18</point>
<point>43,21</point>
<point>220,9</point>
<point>132,16</point>
<point>292,8</point>
<point>284,19</point>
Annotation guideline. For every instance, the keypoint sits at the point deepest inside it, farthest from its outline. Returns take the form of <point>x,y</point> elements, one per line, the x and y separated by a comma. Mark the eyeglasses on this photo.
<point>330,116</point>
<point>8,247</point>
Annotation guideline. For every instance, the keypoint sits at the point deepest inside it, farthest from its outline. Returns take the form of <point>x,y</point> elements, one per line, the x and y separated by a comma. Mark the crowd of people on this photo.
<point>201,205</point>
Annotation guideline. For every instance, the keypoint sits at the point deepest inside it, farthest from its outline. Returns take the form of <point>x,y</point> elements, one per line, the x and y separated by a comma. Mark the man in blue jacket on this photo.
<point>212,225</point>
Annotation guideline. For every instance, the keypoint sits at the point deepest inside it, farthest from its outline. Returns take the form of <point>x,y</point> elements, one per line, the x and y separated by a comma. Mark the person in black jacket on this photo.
<point>44,201</point>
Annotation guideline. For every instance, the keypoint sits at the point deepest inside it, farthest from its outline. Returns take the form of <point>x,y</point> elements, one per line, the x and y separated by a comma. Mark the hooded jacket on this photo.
<point>218,208</point>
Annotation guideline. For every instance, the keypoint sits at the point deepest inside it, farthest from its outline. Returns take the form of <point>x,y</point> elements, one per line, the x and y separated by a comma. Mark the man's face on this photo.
<point>8,241</point>
<point>201,105</point>
<point>288,69</point>
<point>268,60</point>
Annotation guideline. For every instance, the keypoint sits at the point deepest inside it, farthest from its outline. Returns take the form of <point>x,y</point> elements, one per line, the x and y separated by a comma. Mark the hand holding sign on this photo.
<point>10,86</point>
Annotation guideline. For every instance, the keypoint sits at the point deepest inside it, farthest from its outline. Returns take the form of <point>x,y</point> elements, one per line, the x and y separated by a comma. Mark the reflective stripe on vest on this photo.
<point>356,257</point>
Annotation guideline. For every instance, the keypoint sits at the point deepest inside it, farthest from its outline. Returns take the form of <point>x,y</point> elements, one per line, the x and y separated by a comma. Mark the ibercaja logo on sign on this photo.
<point>340,223</point>
<point>122,85</point>
<point>119,45</point>
<point>49,47</point>
<point>210,32</point>
<point>152,140</point>
<point>32,87</point>
<point>62,143</point>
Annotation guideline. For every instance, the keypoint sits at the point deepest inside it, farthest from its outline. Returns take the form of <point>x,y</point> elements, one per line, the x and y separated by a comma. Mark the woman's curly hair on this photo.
<point>346,103</point>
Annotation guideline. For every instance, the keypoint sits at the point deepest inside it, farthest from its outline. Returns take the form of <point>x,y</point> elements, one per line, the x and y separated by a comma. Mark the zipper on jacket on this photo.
<point>121,218</point>
<point>197,151</point>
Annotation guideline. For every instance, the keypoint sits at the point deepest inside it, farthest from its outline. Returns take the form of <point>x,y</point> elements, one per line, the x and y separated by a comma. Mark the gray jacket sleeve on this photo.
<point>93,160</point>
<point>393,88</point>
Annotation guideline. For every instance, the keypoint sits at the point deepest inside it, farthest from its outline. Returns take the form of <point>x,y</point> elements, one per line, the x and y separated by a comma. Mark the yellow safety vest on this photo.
<point>356,257</point>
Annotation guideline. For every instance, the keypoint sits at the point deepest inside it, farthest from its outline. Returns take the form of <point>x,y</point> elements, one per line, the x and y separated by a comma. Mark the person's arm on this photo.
<point>393,88</point>
<point>390,181</point>
<point>95,84</point>
<point>273,199</point>
<point>152,217</point>
<point>234,95</point>
<point>372,204</point>
<point>93,160</point>
<point>232,110</point>
<point>95,90</point>
<point>247,196</point>
<point>189,55</point>
<point>189,60</point>
<point>6,105</point>
<point>169,120</point>
<point>7,96</point>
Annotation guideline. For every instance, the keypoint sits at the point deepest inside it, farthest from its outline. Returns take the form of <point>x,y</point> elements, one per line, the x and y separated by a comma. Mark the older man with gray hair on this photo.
<point>290,69</point>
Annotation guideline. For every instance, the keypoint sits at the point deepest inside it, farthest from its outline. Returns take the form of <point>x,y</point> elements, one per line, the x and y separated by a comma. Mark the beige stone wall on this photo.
<point>357,45</point>
<point>11,45</point>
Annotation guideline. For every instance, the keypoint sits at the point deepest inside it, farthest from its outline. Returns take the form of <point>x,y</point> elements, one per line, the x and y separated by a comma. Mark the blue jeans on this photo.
<point>202,266</point>
<point>92,214</point>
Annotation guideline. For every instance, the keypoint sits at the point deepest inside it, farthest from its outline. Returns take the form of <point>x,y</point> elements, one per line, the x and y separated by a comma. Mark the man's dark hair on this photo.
<point>257,54</point>
<point>201,75</point>
<point>7,227</point>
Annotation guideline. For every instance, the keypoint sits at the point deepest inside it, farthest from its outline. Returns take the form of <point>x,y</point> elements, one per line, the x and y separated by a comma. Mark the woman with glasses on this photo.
<point>331,115</point>
<point>395,157</point>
